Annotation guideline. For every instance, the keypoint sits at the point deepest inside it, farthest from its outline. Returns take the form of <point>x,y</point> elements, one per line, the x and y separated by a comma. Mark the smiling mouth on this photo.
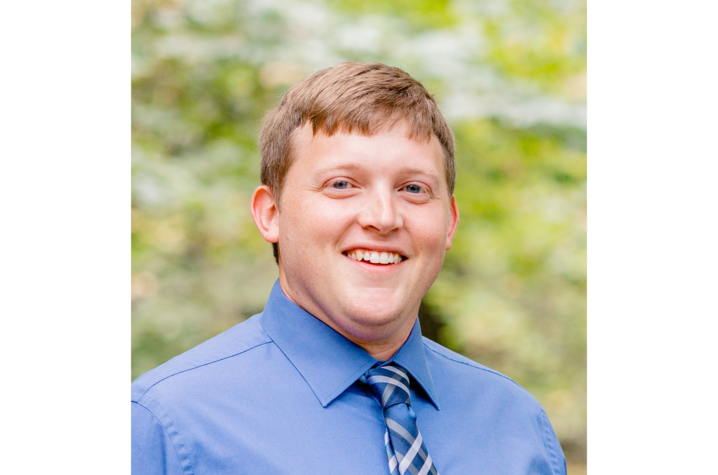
<point>375,257</point>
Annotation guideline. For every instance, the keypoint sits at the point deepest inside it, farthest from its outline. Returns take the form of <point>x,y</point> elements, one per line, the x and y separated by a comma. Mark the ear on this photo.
<point>453,222</point>
<point>265,213</point>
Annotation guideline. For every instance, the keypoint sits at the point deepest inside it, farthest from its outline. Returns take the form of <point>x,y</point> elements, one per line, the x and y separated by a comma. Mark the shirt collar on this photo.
<point>327,361</point>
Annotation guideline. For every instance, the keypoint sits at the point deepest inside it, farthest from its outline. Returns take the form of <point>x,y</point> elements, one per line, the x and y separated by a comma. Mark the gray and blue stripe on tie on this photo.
<point>405,447</point>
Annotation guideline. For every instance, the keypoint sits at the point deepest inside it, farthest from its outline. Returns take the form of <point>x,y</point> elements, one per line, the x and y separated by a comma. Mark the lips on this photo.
<point>375,257</point>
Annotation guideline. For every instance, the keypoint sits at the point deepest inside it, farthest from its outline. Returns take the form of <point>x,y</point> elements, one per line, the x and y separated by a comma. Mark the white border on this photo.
<point>652,237</point>
<point>65,188</point>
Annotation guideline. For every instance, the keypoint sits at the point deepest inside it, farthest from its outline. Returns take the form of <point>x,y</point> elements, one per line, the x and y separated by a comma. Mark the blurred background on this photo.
<point>510,77</point>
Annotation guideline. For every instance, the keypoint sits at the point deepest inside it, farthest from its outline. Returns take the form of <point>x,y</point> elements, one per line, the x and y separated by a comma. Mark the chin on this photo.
<point>371,313</point>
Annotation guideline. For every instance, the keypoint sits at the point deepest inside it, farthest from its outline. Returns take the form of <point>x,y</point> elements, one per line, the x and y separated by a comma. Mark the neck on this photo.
<point>381,341</point>
<point>381,350</point>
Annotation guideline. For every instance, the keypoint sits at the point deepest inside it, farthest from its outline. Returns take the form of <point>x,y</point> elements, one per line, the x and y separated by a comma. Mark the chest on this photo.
<point>298,436</point>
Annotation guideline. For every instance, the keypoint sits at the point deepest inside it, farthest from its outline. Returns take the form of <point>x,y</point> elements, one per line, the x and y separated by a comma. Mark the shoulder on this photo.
<point>173,404</point>
<point>461,363</point>
<point>196,364</point>
<point>450,366</point>
<point>483,397</point>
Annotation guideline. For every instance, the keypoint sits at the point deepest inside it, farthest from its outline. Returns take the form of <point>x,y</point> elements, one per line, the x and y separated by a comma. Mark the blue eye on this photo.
<point>413,188</point>
<point>340,185</point>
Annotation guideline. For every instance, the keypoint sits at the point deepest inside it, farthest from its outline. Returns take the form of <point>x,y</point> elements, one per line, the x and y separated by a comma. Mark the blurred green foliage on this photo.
<point>510,77</point>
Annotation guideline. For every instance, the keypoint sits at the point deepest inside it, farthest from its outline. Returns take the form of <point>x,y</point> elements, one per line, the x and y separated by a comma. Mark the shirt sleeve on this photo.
<point>153,452</point>
<point>553,447</point>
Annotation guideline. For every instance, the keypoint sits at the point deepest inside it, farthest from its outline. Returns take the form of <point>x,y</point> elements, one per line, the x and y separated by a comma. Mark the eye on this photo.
<point>416,189</point>
<point>340,185</point>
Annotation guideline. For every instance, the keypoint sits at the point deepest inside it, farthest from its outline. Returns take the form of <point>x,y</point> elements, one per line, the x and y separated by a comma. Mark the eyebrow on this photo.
<point>341,166</point>
<point>358,167</point>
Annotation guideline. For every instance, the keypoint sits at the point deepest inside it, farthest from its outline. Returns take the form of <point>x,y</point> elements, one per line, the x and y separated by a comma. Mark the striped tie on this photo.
<point>405,448</point>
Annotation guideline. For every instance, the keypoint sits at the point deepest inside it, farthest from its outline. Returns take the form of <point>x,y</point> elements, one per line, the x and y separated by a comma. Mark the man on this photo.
<point>334,376</point>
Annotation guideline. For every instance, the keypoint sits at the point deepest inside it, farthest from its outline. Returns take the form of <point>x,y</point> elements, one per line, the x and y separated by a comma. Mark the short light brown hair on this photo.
<point>351,97</point>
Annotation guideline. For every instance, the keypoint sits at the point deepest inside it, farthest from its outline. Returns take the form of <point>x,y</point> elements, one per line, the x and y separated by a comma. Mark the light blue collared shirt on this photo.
<point>278,394</point>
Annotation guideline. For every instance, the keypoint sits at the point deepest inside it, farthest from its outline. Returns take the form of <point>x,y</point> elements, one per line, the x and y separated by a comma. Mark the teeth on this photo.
<point>375,257</point>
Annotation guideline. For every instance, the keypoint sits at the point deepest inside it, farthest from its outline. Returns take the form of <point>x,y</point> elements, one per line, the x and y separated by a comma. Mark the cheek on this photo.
<point>430,232</point>
<point>308,225</point>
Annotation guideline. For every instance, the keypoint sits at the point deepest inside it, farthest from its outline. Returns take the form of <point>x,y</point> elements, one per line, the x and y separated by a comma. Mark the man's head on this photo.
<point>358,175</point>
<point>351,97</point>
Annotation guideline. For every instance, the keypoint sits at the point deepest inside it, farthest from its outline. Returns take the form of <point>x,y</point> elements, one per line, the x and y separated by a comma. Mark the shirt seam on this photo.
<point>179,459</point>
<point>199,366</point>
<point>487,370</point>
<point>548,443</point>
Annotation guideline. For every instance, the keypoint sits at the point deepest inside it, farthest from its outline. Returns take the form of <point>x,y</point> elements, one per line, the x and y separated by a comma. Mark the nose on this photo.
<point>381,212</point>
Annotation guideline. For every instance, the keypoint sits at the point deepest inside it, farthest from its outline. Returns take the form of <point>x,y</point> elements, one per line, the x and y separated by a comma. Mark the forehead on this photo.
<point>344,146</point>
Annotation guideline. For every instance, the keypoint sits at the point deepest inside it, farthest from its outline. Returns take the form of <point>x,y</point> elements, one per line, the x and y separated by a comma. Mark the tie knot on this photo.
<point>390,383</point>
